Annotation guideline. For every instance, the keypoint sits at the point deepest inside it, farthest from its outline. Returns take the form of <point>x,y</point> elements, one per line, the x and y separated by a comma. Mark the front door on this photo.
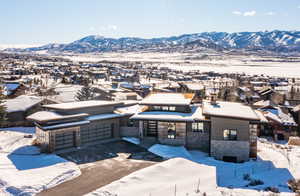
<point>150,128</point>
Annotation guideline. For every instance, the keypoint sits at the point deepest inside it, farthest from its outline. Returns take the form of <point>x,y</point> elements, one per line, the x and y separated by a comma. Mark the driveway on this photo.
<point>102,164</point>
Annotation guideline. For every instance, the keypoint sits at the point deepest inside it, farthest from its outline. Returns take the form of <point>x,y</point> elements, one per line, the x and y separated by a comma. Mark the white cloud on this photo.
<point>237,13</point>
<point>250,13</point>
<point>109,28</point>
<point>270,13</point>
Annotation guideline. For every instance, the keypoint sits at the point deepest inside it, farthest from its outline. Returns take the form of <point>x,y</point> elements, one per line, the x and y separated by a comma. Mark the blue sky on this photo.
<point>61,21</point>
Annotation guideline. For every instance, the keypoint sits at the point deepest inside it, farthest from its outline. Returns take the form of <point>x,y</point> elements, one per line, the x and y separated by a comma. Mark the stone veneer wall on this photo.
<point>239,149</point>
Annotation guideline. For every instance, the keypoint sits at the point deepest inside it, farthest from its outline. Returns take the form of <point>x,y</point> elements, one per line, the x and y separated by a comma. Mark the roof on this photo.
<point>64,125</point>
<point>81,104</point>
<point>48,116</point>
<point>167,99</point>
<point>194,115</point>
<point>230,110</point>
<point>103,116</point>
<point>261,116</point>
<point>21,103</point>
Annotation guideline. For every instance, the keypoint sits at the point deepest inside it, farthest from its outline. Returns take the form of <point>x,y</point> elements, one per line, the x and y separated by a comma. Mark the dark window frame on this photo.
<point>230,135</point>
<point>196,128</point>
<point>171,130</point>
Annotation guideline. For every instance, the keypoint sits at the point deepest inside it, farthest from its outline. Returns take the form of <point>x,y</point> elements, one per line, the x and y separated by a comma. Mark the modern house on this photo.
<point>226,130</point>
<point>74,124</point>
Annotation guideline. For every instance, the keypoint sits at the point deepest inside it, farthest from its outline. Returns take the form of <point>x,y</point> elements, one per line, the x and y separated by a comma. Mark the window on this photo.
<point>230,134</point>
<point>165,108</point>
<point>130,123</point>
<point>172,108</point>
<point>171,130</point>
<point>198,127</point>
<point>157,108</point>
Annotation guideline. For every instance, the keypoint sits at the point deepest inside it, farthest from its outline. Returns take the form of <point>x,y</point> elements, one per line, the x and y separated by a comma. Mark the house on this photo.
<point>75,124</point>
<point>226,130</point>
<point>281,122</point>
<point>18,108</point>
<point>234,128</point>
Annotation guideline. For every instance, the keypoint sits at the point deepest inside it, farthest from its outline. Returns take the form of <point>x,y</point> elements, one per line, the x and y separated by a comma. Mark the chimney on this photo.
<point>213,99</point>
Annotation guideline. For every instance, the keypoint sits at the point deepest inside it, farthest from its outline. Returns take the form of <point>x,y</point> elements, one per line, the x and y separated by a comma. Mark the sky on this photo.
<point>34,22</point>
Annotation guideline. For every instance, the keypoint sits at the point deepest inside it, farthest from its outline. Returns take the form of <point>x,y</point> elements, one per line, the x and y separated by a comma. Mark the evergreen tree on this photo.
<point>86,93</point>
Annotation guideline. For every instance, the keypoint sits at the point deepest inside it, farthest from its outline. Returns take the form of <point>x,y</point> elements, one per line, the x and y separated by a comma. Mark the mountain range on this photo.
<point>271,41</point>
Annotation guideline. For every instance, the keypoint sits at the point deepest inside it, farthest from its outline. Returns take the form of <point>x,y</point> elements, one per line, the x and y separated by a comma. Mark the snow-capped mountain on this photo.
<point>275,41</point>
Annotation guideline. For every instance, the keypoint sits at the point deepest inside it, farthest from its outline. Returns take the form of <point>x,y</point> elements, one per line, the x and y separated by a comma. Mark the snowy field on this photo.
<point>26,171</point>
<point>193,173</point>
<point>221,63</point>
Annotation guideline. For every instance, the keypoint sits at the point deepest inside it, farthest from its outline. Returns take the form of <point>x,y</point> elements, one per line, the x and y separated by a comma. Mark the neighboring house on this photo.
<point>75,124</point>
<point>224,129</point>
<point>18,108</point>
<point>281,122</point>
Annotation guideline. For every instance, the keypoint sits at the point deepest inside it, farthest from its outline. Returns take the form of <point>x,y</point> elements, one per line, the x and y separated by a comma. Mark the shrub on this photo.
<point>294,185</point>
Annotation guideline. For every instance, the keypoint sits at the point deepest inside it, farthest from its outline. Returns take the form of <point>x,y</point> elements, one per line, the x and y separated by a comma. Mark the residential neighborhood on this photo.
<point>149,98</point>
<point>86,113</point>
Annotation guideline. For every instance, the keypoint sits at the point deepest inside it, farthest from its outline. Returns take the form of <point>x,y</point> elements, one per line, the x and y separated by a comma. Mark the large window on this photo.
<point>164,108</point>
<point>230,134</point>
<point>171,130</point>
<point>198,127</point>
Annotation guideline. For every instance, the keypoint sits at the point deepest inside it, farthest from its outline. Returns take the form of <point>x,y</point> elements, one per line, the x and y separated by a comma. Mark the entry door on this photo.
<point>150,128</point>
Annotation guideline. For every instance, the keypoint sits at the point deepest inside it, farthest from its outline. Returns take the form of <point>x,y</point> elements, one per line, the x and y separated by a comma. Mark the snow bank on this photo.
<point>24,170</point>
<point>166,151</point>
<point>161,179</point>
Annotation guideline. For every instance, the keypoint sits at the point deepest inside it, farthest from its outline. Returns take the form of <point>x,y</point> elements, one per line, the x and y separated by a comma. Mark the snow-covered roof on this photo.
<point>49,115</point>
<point>81,104</point>
<point>9,87</point>
<point>130,109</point>
<point>229,109</point>
<point>279,116</point>
<point>21,103</point>
<point>194,115</point>
<point>194,86</point>
<point>166,99</point>
<point>261,116</point>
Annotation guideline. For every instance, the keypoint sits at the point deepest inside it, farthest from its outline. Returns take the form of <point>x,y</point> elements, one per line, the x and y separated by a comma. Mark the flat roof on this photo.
<point>81,104</point>
<point>43,116</point>
<point>194,115</point>
<point>230,110</point>
<point>167,99</point>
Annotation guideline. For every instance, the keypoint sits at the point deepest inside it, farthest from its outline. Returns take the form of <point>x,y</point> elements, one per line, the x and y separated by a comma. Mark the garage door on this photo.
<point>64,140</point>
<point>96,132</point>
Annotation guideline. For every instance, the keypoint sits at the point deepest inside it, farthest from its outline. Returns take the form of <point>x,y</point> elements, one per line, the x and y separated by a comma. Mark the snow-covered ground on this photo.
<point>26,171</point>
<point>276,164</point>
<point>219,63</point>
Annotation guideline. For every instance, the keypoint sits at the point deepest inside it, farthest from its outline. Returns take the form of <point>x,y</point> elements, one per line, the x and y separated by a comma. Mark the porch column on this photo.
<point>141,129</point>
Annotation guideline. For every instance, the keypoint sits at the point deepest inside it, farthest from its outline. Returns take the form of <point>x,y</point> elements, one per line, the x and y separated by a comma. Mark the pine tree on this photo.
<point>86,93</point>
